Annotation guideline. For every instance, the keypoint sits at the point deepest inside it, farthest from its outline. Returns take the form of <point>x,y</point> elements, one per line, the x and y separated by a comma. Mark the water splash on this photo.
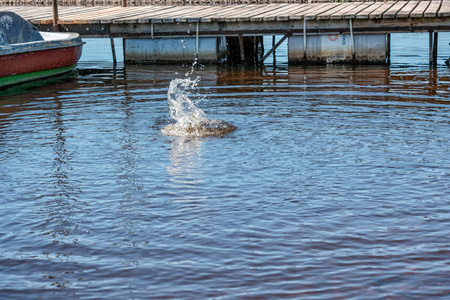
<point>189,119</point>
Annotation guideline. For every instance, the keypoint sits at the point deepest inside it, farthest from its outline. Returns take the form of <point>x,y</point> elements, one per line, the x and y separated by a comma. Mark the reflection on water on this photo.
<point>185,162</point>
<point>335,185</point>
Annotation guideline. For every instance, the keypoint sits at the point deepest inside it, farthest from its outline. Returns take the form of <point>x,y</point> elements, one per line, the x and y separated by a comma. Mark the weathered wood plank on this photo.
<point>246,13</point>
<point>269,15</point>
<point>392,12</point>
<point>84,16</point>
<point>35,13</point>
<point>227,11</point>
<point>378,13</point>
<point>282,14</point>
<point>182,15</point>
<point>297,9</point>
<point>157,15</point>
<point>198,16</point>
<point>137,15</point>
<point>312,15</point>
<point>152,12</point>
<point>420,9</point>
<point>444,11</point>
<point>168,16</point>
<point>128,16</point>
<point>88,15</point>
<point>141,13</point>
<point>432,9</point>
<point>364,14</point>
<point>407,9</point>
<point>38,16</point>
<point>300,15</point>
<point>209,12</point>
<point>340,14</point>
<point>392,15</point>
<point>113,14</point>
<point>352,13</point>
<point>272,16</point>
<point>93,15</point>
<point>295,13</point>
<point>326,15</point>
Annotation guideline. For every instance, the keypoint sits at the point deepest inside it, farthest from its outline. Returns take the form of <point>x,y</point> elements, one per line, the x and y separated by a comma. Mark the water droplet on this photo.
<point>189,119</point>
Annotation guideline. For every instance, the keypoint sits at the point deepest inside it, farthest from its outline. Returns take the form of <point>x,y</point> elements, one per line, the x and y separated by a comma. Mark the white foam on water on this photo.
<point>189,119</point>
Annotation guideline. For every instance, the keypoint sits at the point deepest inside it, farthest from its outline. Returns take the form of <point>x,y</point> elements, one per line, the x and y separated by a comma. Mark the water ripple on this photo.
<point>333,185</point>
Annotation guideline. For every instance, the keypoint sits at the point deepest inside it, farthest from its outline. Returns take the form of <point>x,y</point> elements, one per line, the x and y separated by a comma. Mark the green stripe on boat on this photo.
<point>21,78</point>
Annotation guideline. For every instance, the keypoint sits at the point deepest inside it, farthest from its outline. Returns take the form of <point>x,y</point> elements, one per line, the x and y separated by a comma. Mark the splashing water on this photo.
<point>189,119</point>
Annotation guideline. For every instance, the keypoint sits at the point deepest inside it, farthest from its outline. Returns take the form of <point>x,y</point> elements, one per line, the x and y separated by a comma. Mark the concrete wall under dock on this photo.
<point>174,50</point>
<point>339,48</point>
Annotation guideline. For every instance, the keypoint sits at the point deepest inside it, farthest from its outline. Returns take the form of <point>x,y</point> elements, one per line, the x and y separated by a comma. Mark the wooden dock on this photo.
<point>245,20</point>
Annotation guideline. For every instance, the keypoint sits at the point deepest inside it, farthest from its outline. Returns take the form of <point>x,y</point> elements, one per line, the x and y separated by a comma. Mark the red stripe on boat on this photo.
<point>39,60</point>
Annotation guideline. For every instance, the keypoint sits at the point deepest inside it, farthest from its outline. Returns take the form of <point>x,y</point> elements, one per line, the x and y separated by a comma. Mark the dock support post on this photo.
<point>241,48</point>
<point>262,47</point>
<point>197,38</point>
<point>388,48</point>
<point>433,45</point>
<point>304,40</point>
<point>430,47</point>
<point>55,15</point>
<point>113,49</point>
<point>352,39</point>
<point>256,49</point>
<point>273,44</point>
<point>152,29</point>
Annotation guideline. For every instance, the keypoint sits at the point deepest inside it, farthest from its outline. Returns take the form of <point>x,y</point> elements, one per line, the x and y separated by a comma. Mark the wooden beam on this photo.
<point>274,47</point>
<point>241,48</point>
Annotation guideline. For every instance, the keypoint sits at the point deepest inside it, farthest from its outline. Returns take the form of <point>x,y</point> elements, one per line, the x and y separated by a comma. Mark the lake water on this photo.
<point>334,184</point>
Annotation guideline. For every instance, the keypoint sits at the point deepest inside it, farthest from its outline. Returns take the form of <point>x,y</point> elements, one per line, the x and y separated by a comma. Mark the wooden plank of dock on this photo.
<point>352,13</point>
<point>221,14</point>
<point>327,15</point>
<point>312,14</point>
<point>208,16</point>
<point>89,15</point>
<point>432,9</point>
<point>364,14</point>
<point>444,11</point>
<point>268,14</point>
<point>420,9</point>
<point>246,13</point>
<point>379,12</point>
<point>150,15</point>
<point>407,9</point>
<point>294,10</point>
<point>341,13</point>
<point>390,16</point>
<point>392,12</point>
<point>274,16</point>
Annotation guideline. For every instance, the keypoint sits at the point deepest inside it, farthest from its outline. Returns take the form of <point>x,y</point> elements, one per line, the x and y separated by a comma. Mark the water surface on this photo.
<point>334,185</point>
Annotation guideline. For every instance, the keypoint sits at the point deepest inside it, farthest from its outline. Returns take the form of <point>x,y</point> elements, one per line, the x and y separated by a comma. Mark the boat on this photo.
<point>29,54</point>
